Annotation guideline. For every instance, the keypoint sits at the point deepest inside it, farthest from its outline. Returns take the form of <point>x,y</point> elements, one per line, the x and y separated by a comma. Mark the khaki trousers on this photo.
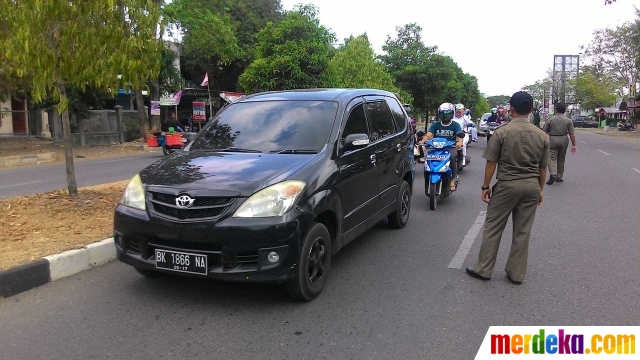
<point>558,146</point>
<point>520,199</point>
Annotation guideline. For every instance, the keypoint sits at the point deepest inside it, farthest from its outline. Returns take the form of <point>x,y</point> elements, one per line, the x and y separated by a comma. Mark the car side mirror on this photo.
<point>355,141</point>
<point>461,135</point>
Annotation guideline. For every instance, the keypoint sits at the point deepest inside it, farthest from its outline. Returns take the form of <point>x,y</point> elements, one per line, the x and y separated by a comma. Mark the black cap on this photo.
<point>521,99</point>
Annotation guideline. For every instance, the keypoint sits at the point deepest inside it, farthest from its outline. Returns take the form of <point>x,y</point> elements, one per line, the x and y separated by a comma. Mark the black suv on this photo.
<point>271,188</point>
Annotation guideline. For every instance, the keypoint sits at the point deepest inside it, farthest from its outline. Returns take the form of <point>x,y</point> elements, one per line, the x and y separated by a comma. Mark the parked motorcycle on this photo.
<point>626,126</point>
<point>437,173</point>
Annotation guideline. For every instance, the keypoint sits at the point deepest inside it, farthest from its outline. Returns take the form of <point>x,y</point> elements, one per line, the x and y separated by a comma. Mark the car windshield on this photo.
<point>270,126</point>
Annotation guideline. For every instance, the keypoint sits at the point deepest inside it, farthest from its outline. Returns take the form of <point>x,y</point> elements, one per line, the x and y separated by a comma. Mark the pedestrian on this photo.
<point>558,127</point>
<point>536,117</point>
<point>520,151</point>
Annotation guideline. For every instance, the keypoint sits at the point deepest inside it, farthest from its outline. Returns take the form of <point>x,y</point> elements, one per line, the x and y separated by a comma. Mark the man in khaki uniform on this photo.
<point>520,150</point>
<point>558,127</point>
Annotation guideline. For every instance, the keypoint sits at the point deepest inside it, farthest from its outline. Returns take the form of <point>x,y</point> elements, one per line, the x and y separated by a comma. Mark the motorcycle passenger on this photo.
<point>472,127</point>
<point>446,128</point>
<point>461,119</point>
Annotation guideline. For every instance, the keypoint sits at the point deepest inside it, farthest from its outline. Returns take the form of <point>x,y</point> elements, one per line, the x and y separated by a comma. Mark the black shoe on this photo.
<point>559,180</point>
<point>552,179</point>
<point>473,274</point>
<point>513,281</point>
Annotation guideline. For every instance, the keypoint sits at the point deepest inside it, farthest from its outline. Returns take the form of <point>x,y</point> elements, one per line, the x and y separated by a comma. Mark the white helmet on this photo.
<point>445,112</point>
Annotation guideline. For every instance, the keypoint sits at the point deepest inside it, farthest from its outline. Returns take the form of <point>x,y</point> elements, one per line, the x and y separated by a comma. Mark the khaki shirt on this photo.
<point>559,125</point>
<point>519,148</point>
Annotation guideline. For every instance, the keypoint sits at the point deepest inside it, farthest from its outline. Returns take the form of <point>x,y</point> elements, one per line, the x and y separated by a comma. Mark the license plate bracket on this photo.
<point>180,261</point>
<point>436,157</point>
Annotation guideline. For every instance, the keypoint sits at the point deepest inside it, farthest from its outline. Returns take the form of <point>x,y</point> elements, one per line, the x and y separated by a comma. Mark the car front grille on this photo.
<point>203,207</point>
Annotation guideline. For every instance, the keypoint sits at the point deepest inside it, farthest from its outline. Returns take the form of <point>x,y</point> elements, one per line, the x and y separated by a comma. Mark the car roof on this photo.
<point>314,95</point>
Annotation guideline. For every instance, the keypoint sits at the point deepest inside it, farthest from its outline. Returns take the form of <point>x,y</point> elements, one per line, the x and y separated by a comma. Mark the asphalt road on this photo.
<point>47,177</point>
<point>392,294</point>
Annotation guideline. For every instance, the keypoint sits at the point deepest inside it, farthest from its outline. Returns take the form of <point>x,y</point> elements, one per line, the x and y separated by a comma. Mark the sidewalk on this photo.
<point>23,152</point>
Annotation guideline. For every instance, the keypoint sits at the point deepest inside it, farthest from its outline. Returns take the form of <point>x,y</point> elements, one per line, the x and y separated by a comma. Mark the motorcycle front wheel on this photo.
<point>433,196</point>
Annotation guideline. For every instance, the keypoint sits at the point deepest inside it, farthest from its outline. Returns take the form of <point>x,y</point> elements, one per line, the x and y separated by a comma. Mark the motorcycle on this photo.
<point>627,126</point>
<point>437,173</point>
<point>187,137</point>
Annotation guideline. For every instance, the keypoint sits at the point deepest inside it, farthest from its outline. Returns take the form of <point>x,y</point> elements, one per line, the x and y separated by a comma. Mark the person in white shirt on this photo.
<point>472,129</point>
<point>461,119</point>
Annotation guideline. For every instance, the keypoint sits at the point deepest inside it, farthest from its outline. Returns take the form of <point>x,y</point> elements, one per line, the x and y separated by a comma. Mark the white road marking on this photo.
<point>26,183</point>
<point>636,170</point>
<point>467,242</point>
<point>606,153</point>
<point>583,142</point>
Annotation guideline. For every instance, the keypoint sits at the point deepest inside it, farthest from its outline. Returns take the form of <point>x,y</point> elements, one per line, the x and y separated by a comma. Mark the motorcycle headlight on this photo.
<point>272,201</point>
<point>134,194</point>
<point>445,168</point>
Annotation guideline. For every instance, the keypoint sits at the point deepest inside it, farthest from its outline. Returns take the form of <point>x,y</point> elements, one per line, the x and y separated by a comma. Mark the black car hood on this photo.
<point>226,174</point>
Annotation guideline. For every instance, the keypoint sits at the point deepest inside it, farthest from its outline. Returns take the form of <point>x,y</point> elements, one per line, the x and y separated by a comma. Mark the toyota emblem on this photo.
<point>184,201</point>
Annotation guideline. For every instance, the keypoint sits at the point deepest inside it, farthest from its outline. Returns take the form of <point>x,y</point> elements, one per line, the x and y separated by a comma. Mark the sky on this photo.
<point>489,39</point>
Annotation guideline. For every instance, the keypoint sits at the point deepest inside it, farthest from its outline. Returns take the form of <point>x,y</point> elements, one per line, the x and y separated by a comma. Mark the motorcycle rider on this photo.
<point>446,128</point>
<point>472,128</point>
<point>464,122</point>
<point>494,116</point>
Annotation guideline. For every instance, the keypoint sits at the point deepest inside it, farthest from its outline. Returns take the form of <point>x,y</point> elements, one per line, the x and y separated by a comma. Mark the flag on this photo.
<point>177,96</point>
<point>205,82</point>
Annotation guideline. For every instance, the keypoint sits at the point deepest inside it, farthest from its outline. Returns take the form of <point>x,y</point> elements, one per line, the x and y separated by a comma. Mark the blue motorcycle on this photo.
<point>437,173</point>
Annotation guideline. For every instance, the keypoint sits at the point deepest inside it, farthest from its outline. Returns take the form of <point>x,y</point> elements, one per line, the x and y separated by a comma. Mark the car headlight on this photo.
<point>134,194</point>
<point>272,201</point>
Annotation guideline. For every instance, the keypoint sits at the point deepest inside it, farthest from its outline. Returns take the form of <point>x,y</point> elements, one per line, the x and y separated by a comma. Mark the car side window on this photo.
<point>380,120</point>
<point>356,122</point>
<point>398,114</point>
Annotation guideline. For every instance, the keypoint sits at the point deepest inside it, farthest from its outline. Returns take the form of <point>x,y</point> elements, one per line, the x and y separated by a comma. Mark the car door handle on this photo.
<point>373,159</point>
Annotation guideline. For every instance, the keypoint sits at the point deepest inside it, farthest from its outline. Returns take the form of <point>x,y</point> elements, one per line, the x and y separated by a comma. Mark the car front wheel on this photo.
<point>314,265</point>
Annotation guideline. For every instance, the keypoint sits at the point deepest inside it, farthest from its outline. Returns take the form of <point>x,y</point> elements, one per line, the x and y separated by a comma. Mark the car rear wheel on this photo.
<point>314,265</point>
<point>148,273</point>
<point>399,218</point>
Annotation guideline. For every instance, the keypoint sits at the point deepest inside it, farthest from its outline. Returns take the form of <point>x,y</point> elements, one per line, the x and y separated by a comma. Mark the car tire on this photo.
<point>148,273</point>
<point>400,217</point>
<point>315,257</point>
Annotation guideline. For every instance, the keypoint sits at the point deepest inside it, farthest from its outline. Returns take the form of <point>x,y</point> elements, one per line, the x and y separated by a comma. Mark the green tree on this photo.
<point>63,44</point>
<point>355,66</point>
<point>207,30</point>
<point>498,100</point>
<point>481,108</point>
<point>415,67</point>
<point>247,18</point>
<point>592,92</point>
<point>613,52</point>
<point>294,53</point>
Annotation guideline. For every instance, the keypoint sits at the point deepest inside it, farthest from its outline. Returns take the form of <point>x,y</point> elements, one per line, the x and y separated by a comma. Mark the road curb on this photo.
<point>28,159</point>
<point>51,268</point>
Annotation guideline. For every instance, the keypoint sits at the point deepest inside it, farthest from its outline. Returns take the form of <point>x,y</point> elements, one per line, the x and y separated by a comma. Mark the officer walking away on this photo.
<point>558,127</point>
<point>520,151</point>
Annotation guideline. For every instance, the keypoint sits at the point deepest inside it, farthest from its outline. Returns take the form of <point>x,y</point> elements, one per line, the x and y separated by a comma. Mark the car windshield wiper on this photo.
<point>295,151</point>
<point>236,149</point>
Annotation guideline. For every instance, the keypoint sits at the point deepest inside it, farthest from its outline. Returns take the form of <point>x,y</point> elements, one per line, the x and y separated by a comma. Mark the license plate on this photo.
<point>436,157</point>
<point>181,262</point>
